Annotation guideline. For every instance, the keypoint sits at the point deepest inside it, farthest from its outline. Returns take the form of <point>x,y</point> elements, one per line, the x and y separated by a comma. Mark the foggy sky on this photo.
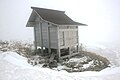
<point>101,16</point>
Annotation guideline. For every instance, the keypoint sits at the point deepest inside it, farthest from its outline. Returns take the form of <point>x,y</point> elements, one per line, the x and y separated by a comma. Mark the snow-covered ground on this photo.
<point>15,67</point>
<point>112,53</point>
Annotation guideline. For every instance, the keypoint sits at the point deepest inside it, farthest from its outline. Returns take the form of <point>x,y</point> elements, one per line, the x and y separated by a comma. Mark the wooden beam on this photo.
<point>68,56</point>
<point>68,29</point>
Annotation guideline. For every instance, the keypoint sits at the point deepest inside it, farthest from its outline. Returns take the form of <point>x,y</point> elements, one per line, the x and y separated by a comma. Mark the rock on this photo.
<point>53,64</point>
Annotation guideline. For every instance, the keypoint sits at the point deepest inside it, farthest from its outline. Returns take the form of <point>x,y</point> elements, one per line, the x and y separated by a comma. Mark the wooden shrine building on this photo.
<point>54,32</point>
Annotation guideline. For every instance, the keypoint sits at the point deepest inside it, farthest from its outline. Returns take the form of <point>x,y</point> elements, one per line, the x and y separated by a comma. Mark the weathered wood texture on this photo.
<point>47,36</point>
<point>55,31</point>
<point>68,37</point>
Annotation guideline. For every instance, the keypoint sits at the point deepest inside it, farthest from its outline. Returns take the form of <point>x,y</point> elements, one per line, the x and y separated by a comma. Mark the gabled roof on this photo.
<point>54,16</point>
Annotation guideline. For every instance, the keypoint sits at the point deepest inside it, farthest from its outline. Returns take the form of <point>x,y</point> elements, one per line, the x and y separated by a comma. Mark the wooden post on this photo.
<point>78,39</point>
<point>49,50</point>
<point>58,48</point>
<point>40,25</point>
<point>78,48</point>
<point>35,43</point>
<point>59,53</point>
<point>69,52</point>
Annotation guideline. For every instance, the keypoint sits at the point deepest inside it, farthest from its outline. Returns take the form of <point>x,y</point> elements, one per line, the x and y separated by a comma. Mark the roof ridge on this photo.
<point>48,9</point>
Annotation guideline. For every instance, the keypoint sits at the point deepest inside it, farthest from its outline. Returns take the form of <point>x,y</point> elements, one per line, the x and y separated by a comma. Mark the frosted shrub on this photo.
<point>20,47</point>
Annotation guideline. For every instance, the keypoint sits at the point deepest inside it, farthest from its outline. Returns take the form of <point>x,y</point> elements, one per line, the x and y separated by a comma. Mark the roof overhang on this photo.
<point>31,20</point>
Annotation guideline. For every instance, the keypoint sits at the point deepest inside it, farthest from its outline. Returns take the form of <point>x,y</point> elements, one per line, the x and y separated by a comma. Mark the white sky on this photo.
<point>102,17</point>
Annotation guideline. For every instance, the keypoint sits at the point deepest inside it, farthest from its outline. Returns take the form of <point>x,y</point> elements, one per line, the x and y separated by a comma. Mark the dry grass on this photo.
<point>20,47</point>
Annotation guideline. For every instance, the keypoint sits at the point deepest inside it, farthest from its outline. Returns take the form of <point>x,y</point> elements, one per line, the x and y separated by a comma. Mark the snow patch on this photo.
<point>14,58</point>
<point>112,54</point>
<point>15,67</point>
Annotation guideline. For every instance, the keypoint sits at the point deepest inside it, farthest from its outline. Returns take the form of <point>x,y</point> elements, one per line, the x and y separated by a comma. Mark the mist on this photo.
<point>101,16</point>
